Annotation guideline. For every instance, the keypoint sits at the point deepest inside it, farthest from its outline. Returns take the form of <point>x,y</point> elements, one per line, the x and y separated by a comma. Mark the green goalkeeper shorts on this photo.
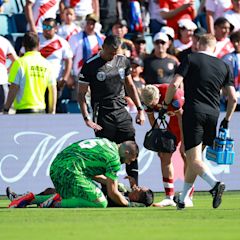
<point>70,183</point>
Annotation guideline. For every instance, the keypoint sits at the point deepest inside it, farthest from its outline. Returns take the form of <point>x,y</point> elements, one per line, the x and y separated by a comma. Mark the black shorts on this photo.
<point>197,128</point>
<point>117,125</point>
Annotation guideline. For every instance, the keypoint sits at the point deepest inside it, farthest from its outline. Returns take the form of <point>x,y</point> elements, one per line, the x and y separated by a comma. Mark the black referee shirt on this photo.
<point>106,79</point>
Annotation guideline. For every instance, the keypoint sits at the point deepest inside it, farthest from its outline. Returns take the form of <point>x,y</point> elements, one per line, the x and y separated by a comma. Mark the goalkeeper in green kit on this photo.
<point>75,169</point>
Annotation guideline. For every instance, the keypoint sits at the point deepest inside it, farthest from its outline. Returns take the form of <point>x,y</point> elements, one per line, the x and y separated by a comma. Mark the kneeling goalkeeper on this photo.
<point>75,169</point>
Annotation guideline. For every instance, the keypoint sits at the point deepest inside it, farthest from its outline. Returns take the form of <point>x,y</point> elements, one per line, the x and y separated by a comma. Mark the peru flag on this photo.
<point>136,23</point>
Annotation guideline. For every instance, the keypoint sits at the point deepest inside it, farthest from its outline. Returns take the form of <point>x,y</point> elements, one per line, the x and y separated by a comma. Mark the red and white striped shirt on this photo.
<point>55,50</point>
<point>81,7</point>
<point>223,47</point>
<point>76,43</point>
<point>43,9</point>
<point>67,31</point>
<point>6,49</point>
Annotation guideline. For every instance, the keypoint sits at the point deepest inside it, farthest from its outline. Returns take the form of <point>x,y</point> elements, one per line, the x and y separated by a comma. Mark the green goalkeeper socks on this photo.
<point>40,199</point>
<point>81,203</point>
<point>70,203</point>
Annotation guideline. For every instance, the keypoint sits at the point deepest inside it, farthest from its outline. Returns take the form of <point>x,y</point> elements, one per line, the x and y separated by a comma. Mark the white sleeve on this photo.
<point>74,42</point>
<point>211,5</point>
<point>67,51</point>
<point>10,49</point>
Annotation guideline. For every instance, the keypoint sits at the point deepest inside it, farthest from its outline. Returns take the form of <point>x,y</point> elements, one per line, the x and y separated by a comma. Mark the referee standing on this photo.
<point>203,76</point>
<point>107,74</point>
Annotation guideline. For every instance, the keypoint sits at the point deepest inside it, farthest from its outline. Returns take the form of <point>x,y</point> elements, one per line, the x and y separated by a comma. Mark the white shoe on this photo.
<point>188,202</point>
<point>167,202</point>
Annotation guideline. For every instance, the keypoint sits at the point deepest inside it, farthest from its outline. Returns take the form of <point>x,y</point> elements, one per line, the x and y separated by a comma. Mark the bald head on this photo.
<point>130,146</point>
<point>128,151</point>
<point>207,42</point>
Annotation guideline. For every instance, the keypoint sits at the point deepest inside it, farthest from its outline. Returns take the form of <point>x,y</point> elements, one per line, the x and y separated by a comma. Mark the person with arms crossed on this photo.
<point>106,74</point>
<point>203,76</point>
<point>30,76</point>
<point>74,169</point>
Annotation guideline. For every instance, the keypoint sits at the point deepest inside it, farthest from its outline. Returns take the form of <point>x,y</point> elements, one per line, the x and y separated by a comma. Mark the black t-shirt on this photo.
<point>204,76</point>
<point>159,70</point>
<point>183,54</point>
<point>106,80</point>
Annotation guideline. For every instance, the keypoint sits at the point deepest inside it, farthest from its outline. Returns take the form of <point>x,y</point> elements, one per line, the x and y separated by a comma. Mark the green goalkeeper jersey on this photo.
<point>89,157</point>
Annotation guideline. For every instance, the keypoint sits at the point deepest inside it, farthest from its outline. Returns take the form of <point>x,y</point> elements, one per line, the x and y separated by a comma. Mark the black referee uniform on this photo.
<point>106,81</point>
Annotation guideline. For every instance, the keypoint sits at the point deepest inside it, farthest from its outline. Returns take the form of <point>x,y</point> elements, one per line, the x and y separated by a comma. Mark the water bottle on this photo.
<point>223,133</point>
<point>219,144</point>
<point>230,144</point>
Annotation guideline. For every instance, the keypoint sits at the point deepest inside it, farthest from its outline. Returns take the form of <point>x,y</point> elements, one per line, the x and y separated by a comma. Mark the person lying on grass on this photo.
<point>138,196</point>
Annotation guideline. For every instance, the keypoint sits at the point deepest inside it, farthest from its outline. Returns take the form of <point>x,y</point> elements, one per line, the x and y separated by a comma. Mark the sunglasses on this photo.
<point>160,42</point>
<point>47,27</point>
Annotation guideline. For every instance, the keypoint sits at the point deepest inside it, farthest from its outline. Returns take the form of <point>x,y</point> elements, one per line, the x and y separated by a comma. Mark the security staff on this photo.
<point>30,76</point>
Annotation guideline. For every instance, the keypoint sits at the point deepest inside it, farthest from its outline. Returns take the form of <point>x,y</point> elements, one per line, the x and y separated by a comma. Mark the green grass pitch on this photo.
<point>198,223</point>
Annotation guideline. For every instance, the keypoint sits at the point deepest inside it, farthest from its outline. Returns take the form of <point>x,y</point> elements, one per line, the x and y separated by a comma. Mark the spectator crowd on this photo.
<point>72,31</point>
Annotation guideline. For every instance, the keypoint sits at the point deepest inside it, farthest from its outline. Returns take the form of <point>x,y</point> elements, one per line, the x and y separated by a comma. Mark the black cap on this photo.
<point>138,61</point>
<point>139,38</point>
<point>121,22</point>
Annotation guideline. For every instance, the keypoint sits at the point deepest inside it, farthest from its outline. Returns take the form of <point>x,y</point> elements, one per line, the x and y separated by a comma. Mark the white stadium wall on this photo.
<point>29,144</point>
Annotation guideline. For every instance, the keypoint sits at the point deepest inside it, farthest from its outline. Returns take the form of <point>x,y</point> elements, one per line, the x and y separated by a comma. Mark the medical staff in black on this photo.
<point>203,76</point>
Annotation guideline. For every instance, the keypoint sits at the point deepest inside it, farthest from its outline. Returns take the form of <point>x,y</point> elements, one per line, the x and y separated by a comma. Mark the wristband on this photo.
<point>86,118</point>
<point>140,108</point>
